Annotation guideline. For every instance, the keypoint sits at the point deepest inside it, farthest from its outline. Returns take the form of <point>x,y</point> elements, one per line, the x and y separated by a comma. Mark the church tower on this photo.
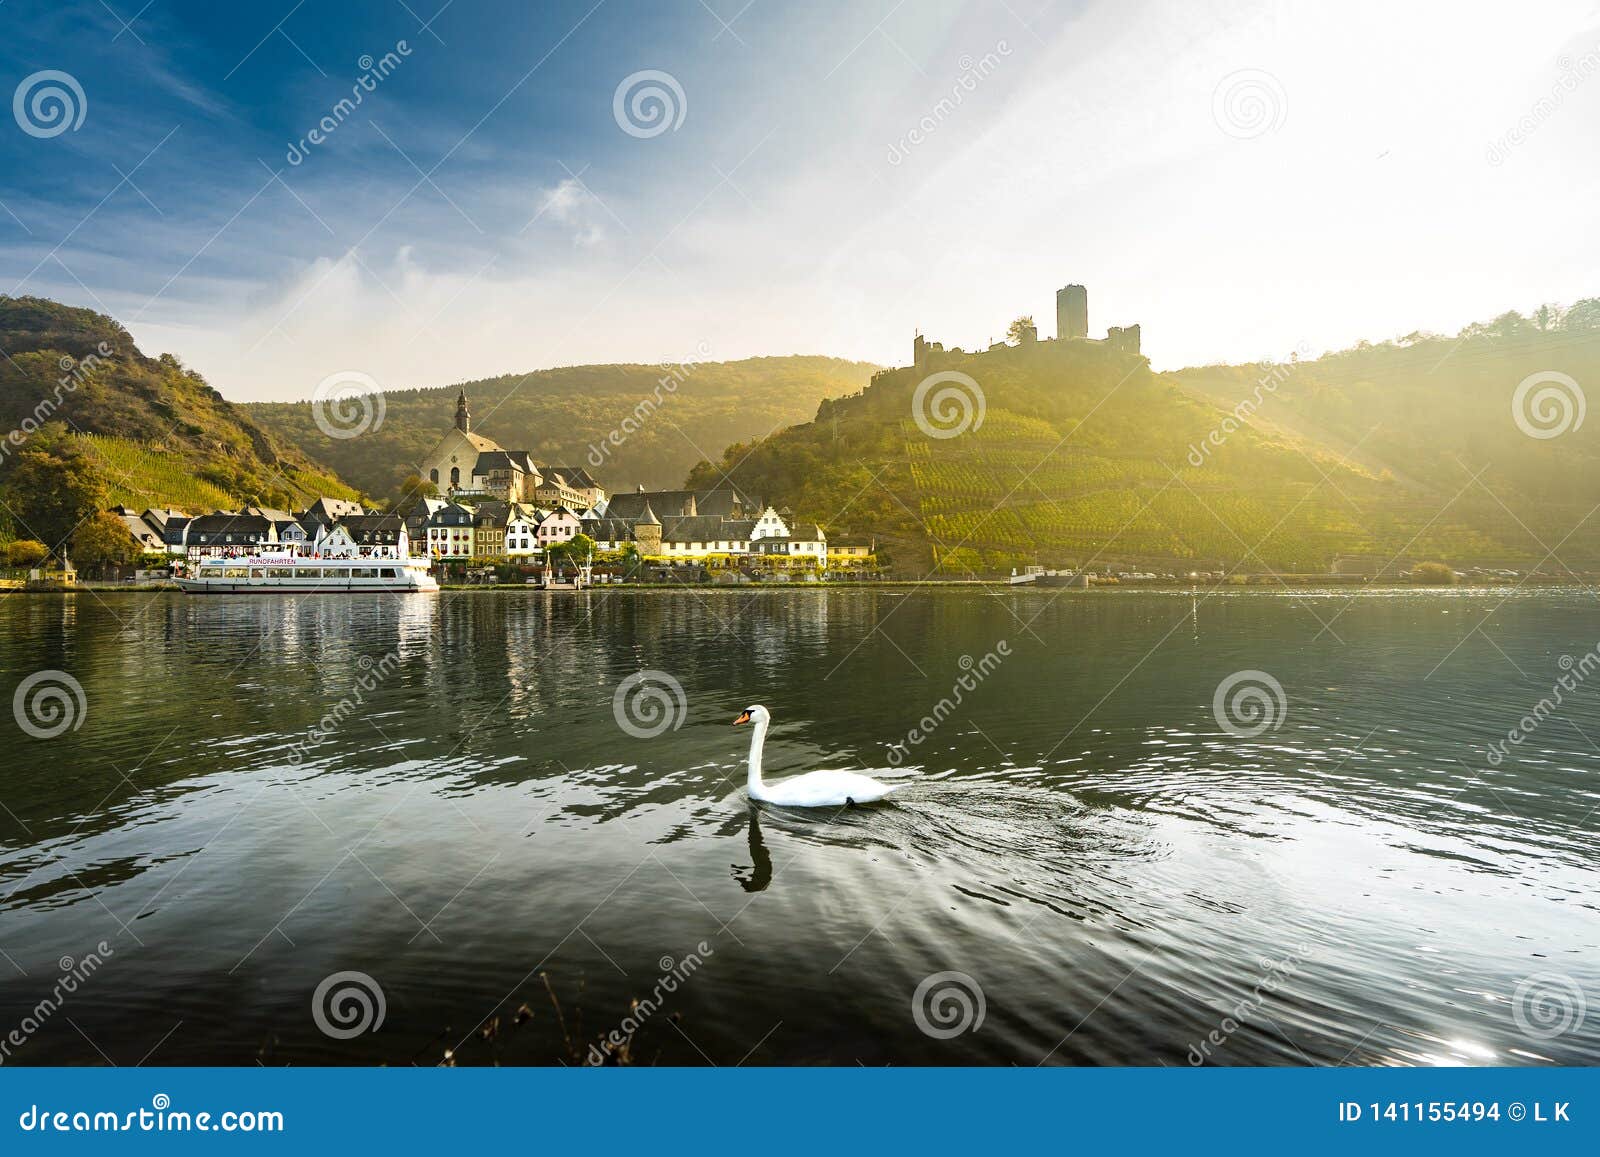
<point>463,418</point>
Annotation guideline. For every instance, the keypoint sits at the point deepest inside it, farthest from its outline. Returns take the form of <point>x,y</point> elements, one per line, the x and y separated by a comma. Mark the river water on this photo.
<point>266,820</point>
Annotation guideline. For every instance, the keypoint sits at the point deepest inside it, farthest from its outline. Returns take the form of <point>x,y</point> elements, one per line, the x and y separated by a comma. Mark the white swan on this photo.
<point>815,788</point>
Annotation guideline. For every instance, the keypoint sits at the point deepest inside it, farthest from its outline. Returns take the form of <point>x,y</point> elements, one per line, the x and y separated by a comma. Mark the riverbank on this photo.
<point>1255,585</point>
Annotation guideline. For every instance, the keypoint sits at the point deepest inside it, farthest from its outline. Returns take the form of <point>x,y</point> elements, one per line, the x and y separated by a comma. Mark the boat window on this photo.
<point>256,572</point>
<point>388,572</point>
<point>236,572</point>
<point>278,572</point>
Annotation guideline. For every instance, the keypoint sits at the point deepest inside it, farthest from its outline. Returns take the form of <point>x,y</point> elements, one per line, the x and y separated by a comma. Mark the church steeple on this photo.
<point>463,418</point>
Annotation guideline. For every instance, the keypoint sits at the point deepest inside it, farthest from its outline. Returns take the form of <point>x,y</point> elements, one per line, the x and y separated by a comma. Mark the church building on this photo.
<point>465,465</point>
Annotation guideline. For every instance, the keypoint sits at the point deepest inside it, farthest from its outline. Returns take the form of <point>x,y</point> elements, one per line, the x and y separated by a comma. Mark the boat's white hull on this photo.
<point>291,587</point>
<point>310,576</point>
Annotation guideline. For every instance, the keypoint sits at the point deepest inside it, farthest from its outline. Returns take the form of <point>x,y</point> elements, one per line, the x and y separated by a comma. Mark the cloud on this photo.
<point>570,204</point>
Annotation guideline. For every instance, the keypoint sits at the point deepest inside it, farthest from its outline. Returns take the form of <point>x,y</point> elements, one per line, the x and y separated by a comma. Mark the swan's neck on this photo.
<point>758,738</point>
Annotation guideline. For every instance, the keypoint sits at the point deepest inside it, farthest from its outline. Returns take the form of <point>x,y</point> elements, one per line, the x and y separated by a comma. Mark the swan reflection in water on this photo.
<point>760,870</point>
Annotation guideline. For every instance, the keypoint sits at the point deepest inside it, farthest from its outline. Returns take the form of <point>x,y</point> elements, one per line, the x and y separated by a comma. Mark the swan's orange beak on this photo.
<point>744,717</point>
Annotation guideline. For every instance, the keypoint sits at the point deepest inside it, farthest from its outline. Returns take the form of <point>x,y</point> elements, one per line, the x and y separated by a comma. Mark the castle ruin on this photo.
<point>1072,324</point>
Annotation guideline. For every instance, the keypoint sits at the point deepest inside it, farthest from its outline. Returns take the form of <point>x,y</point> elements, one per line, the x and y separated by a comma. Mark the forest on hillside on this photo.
<point>152,430</point>
<point>628,425</point>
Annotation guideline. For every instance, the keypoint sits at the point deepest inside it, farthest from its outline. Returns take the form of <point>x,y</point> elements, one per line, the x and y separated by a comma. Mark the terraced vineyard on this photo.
<point>1017,492</point>
<point>137,473</point>
<point>151,474</point>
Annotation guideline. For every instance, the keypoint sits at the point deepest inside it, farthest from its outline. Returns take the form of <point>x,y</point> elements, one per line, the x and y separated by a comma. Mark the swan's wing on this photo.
<point>823,788</point>
<point>865,789</point>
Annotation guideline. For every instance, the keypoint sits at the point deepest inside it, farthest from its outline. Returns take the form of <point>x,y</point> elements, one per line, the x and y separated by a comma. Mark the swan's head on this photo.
<point>752,714</point>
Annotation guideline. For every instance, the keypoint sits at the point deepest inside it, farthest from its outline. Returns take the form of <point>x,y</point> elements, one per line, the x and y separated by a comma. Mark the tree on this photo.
<point>102,542</point>
<point>55,488</point>
<point>1020,329</point>
<point>1547,318</point>
<point>276,498</point>
<point>580,546</point>
<point>24,552</point>
<point>1582,315</point>
<point>414,486</point>
<point>1433,574</point>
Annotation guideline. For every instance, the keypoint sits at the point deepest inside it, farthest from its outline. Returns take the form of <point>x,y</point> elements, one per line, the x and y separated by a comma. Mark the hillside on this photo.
<point>564,416</point>
<point>1086,457</point>
<point>156,432</point>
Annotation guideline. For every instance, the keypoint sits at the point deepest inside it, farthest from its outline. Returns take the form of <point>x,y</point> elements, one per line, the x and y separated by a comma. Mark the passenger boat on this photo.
<point>292,573</point>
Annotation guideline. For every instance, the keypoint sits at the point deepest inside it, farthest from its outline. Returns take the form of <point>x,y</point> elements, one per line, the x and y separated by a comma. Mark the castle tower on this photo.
<point>463,418</point>
<point>647,532</point>
<point>1072,312</point>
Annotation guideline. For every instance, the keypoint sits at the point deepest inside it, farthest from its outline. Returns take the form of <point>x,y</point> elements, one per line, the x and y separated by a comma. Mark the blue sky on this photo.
<point>842,173</point>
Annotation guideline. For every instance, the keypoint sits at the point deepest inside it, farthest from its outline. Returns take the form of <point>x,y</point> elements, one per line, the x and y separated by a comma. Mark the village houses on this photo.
<point>499,503</point>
